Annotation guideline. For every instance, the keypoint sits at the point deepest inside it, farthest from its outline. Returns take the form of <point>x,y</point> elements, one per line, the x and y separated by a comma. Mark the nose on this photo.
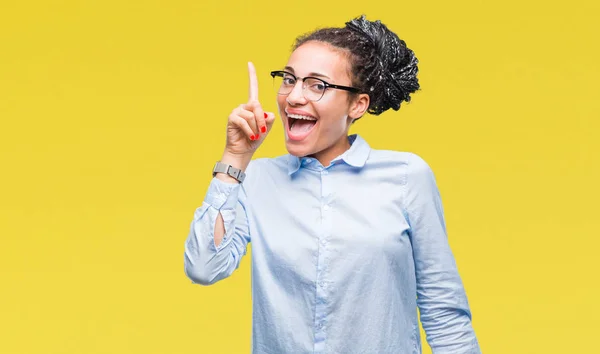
<point>296,97</point>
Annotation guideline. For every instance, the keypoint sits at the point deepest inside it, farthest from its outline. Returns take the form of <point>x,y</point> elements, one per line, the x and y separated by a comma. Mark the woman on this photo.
<point>347,241</point>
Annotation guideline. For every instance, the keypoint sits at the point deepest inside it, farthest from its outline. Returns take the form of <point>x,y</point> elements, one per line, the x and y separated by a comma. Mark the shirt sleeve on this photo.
<point>206,263</point>
<point>441,297</point>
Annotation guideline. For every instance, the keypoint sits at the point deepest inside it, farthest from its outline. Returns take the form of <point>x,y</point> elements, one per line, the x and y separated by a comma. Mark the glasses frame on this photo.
<point>280,73</point>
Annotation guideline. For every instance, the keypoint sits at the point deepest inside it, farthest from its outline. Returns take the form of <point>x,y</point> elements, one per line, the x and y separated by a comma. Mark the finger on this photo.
<point>259,114</point>
<point>268,123</point>
<point>270,119</point>
<point>253,81</point>
<point>249,117</point>
<point>243,125</point>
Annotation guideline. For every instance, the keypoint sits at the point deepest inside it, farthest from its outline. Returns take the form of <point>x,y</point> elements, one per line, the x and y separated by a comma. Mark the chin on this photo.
<point>298,149</point>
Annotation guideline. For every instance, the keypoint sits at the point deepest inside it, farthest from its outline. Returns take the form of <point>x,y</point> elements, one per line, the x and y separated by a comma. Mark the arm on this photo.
<point>218,234</point>
<point>441,297</point>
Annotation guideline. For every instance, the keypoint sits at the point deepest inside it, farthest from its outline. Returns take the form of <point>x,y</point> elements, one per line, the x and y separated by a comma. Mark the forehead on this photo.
<point>319,57</point>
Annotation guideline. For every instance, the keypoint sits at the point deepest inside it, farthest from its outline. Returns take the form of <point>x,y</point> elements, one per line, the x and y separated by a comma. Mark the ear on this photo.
<point>359,106</point>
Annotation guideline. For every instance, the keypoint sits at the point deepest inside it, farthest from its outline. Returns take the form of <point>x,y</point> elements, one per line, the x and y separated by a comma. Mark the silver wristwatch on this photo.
<point>230,171</point>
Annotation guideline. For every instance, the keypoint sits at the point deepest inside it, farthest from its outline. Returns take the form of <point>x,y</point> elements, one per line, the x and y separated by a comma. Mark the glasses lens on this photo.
<point>314,89</point>
<point>283,83</point>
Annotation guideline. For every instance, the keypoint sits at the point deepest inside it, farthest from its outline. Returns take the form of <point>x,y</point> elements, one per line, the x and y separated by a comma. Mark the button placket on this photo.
<point>322,267</point>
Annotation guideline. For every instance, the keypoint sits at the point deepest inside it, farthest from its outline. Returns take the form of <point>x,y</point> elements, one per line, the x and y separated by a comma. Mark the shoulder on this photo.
<point>266,167</point>
<point>411,163</point>
<point>405,168</point>
<point>392,156</point>
<point>279,162</point>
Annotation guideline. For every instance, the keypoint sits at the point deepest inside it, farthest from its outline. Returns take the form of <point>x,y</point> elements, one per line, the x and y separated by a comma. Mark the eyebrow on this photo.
<point>309,74</point>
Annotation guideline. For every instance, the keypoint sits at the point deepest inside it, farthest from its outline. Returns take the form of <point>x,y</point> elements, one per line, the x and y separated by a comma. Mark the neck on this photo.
<point>326,156</point>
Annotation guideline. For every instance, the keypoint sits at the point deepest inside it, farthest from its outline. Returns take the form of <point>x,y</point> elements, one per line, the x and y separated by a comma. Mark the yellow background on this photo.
<point>112,114</point>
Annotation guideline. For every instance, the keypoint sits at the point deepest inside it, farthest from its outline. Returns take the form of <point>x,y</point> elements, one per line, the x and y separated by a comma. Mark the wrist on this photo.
<point>226,178</point>
<point>240,161</point>
<point>235,161</point>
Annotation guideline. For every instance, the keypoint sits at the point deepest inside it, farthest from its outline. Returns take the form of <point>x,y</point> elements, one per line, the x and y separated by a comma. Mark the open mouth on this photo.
<point>300,126</point>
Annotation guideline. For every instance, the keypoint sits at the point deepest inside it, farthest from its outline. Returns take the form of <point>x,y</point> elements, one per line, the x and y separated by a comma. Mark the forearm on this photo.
<point>441,296</point>
<point>446,316</point>
<point>238,161</point>
<point>210,257</point>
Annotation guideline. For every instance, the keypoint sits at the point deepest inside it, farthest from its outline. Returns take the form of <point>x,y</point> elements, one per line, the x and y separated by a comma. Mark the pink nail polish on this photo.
<point>263,129</point>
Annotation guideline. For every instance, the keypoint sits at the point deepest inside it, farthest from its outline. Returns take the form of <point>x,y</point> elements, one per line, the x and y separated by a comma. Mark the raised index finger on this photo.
<point>253,90</point>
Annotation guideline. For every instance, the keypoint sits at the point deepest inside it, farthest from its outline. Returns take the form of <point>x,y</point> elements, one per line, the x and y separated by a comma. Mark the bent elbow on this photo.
<point>200,275</point>
<point>207,268</point>
<point>199,271</point>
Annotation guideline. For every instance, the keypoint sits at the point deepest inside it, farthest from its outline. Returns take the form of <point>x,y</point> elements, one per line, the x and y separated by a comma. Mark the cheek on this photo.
<point>333,106</point>
<point>333,117</point>
<point>280,102</point>
<point>281,109</point>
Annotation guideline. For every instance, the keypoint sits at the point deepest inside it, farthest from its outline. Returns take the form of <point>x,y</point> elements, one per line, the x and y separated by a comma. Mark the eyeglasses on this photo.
<point>313,88</point>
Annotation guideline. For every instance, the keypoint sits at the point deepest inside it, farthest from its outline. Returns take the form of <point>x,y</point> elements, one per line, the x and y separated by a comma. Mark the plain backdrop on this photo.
<point>112,114</point>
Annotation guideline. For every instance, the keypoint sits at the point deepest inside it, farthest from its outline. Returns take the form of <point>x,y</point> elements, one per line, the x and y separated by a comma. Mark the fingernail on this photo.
<point>252,137</point>
<point>263,129</point>
<point>266,116</point>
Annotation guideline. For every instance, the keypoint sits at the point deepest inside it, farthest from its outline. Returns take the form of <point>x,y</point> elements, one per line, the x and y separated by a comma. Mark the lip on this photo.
<point>298,136</point>
<point>299,112</point>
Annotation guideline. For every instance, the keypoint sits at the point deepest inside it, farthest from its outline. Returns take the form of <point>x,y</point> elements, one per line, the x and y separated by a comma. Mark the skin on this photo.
<point>248,124</point>
<point>334,112</point>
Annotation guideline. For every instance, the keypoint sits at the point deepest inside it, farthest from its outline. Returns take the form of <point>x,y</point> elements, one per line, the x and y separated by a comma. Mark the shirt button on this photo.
<point>326,207</point>
<point>308,160</point>
<point>325,172</point>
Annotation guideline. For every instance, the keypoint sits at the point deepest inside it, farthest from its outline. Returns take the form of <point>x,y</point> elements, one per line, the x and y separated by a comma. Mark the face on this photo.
<point>324,134</point>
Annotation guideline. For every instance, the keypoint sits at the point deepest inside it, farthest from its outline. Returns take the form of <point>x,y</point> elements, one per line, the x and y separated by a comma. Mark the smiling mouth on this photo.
<point>300,124</point>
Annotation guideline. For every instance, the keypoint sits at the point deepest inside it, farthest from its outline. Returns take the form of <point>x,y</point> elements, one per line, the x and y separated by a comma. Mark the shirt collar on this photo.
<point>356,156</point>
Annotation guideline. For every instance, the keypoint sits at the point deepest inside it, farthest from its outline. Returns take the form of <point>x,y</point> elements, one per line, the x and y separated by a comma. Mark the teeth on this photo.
<point>297,116</point>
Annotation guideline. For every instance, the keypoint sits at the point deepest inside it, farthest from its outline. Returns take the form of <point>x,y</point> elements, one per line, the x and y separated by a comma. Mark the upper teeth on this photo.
<point>297,116</point>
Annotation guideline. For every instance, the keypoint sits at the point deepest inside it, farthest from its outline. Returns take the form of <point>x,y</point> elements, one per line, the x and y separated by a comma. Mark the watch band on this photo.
<point>229,170</point>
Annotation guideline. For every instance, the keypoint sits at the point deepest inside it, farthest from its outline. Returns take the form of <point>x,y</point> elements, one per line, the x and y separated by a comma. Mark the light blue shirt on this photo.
<point>342,255</point>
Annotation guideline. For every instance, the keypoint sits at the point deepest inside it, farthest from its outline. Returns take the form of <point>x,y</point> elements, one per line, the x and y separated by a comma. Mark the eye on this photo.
<point>319,86</point>
<point>316,85</point>
<point>289,80</point>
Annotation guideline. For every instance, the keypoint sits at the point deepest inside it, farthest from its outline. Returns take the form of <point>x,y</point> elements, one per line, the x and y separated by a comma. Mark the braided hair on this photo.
<point>381,65</point>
